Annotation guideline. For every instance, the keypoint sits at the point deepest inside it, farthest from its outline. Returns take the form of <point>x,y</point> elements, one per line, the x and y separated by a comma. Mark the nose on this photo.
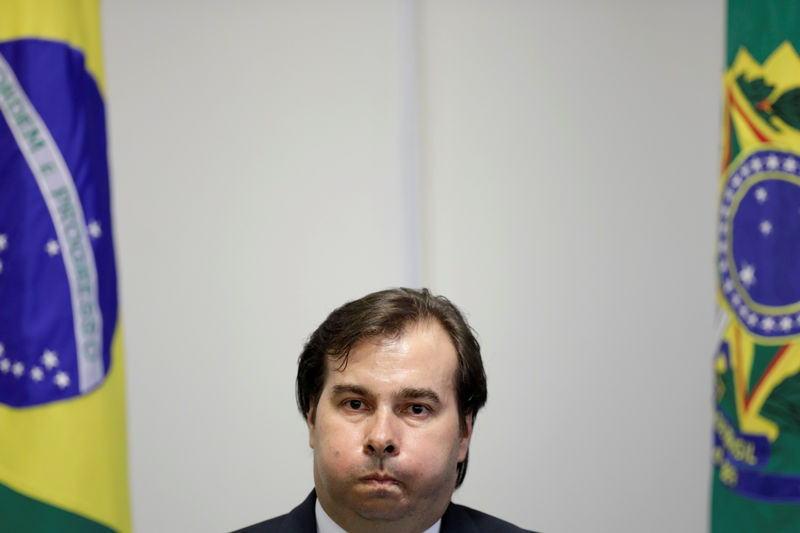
<point>382,437</point>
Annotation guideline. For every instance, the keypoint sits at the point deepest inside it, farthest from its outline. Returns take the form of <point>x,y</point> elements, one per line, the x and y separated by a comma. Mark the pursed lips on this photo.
<point>383,480</point>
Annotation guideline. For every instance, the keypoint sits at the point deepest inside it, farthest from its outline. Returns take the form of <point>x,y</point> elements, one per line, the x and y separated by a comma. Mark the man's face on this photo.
<point>386,433</point>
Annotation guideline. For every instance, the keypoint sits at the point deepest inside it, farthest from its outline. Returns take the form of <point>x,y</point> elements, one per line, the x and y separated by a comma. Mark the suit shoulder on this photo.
<point>301,519</point>
<point>457,515</point>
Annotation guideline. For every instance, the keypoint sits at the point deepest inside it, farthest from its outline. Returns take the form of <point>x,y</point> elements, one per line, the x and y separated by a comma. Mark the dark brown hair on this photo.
<point>386,314</point>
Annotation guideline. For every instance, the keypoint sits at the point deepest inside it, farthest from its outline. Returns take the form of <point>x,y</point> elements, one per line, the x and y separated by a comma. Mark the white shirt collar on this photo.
<point>325,523</point>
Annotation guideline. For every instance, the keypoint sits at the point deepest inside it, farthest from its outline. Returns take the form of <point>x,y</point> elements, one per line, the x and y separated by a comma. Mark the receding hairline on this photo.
<point>388,337</point>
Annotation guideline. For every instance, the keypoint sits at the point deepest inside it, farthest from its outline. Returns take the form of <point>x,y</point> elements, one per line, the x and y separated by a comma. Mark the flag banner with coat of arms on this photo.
<point>756,454</point>
<point>63,460</point>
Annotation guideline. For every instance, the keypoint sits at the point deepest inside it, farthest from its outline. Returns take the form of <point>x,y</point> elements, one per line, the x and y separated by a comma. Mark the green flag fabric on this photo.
<point>756,473</point>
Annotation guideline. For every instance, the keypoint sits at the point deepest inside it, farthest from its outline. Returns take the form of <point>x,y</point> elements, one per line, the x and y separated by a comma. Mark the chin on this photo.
<point>380,505</point>
<point>381,511</point>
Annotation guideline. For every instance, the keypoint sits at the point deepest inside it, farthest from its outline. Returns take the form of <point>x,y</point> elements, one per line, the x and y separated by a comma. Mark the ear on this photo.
<point>466,434</point>
<point>310,423</point>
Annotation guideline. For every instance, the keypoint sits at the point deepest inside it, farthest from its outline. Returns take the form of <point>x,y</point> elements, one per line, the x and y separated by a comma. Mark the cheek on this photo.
<point>433,451</point>
<point>337,444</point>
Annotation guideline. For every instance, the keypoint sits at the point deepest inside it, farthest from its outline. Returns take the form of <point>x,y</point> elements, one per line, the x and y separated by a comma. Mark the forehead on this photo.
<point>422,355</point>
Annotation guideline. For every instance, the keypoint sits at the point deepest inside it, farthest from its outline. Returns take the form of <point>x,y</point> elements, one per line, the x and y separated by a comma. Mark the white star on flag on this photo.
<point>772,162</point>
<point>786,323</point>
<point>736,300</point>
<point>736,181</point>
<point>94,229</point>
<point>756,164</point>
<point>752,320</point>
<point>17,369</point>
<point>5,365</point>
<point>768,324</point>
<point>729,194</point>
<point>62,380</point>
<point>745,171</point>
<point>52,247</point>
<point>728,285</point>
<point>747,274</point>
<point>790,164</point>
<point>765,227</point>
<point>723,266</point>
<point>3,241</point>
<point>761,195</point>
<point>37,374</point>
<point>49,359</point>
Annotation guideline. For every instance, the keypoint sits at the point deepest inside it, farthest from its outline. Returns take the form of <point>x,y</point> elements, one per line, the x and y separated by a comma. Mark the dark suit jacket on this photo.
<point>456,519</point>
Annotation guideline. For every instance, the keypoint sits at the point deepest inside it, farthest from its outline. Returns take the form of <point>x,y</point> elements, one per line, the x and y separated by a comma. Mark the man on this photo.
<point>389,386</point>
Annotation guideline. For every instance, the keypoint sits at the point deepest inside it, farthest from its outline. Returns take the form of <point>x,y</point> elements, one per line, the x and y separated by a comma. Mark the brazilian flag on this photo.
<point>756,475</point>
<point>62,417</point>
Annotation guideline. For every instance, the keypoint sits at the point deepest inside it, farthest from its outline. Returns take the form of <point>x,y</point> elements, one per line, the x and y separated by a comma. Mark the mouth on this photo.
<point>380,480</point>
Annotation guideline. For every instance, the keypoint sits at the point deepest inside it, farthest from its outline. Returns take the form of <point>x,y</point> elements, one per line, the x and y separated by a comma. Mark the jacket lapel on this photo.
<point>455,520</point>
<point>302,518</point>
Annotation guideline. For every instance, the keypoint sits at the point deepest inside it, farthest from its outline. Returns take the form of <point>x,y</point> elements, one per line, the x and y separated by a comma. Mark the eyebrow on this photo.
<point>420,394</point>
<point>338,390</point>
<point>410,393</point>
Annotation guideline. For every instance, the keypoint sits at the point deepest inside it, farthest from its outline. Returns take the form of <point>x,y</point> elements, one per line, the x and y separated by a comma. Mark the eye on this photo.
<point>355,405</point>
<point>418,409</point>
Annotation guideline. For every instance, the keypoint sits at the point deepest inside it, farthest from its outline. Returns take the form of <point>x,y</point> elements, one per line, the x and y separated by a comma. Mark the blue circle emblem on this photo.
<point>41,355</point>
<point>758,253</point>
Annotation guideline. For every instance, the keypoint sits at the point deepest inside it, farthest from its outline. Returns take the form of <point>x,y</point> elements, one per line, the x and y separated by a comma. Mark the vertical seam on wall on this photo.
<point>410,142</point>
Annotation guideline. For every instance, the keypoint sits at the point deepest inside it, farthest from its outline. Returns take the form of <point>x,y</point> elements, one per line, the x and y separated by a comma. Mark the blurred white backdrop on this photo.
<point>549,166</point>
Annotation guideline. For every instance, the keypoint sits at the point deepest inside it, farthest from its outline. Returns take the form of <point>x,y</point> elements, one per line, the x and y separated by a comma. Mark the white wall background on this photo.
<point>549,166</point>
